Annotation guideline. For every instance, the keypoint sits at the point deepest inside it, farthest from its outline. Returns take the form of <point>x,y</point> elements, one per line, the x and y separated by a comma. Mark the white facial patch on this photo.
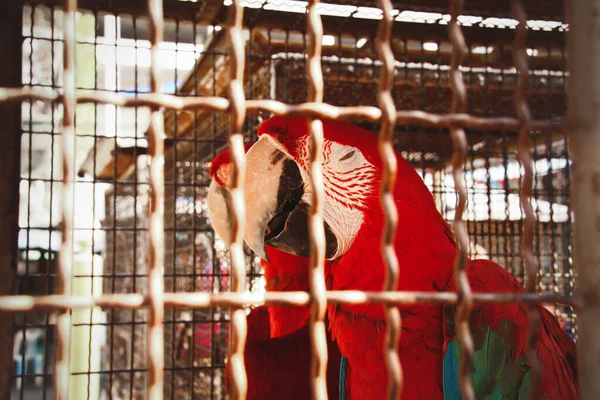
<point>347,177</point>
<point>348,180</point>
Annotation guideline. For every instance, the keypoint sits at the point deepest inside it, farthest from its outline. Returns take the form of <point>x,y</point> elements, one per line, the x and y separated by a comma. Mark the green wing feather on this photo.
<point>496,374</point>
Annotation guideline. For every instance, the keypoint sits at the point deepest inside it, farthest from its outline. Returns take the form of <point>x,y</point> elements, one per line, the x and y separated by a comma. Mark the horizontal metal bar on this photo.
<point>61,302</point>
<point>115,371</point>
<point>308,109</point>
<point>229,299</point>
<point>138,322</point>
<point>96,96</point>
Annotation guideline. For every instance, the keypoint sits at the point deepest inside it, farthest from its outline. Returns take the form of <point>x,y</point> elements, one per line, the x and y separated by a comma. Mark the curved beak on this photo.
<point>277,206</point>
<point>273,187</point>
<point>273,194</point>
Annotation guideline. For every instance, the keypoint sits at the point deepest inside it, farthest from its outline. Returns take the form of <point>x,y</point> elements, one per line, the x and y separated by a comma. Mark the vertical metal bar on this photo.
<point>239,381</point>
<point>316,273</point>
<point>390,167</point>
<point>215,279</point>
<point>112,30</point>
<point>175,157</point>
<point>94,216</point>
<point>195,183</point>
<point>136,222</point>
<point>52,194</point>
<point>23,322</point>
<point>459,142</point>
<point>65,257</point>
<point>524,145</point>
<point>156,241</point>
<point>583,94</point>
<point>10,171</point>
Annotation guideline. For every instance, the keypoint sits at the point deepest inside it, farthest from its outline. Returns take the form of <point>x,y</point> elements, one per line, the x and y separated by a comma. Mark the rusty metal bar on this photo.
<point>308,109</point>
<point>316,273</point>
<point>65,256</point>
<point>203,300</point>
<point>156,134</point>
<point>459,142</point>
<point>524,153</point>
<point>390,167</point>
<point>583,94</point>
<point>227,299</point>
<point>239,381</point>
<point>61,302</point>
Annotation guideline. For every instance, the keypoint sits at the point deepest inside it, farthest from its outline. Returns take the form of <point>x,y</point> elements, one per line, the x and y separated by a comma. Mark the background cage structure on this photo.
<point>116,152</point>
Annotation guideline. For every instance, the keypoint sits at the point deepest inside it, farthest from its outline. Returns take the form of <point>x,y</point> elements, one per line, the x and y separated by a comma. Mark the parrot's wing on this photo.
<point>497,374</point>
<point>499,332</point>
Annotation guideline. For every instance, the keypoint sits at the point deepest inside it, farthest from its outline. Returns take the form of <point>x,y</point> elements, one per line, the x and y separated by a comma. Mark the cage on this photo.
<point>131,253</point>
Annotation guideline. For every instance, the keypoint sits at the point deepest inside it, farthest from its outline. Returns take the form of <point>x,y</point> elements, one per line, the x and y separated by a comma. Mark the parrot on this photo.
<point>277,353</point>
<point>278,196</point>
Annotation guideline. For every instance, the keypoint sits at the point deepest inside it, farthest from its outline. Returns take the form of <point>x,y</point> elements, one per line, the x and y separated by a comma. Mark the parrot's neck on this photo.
<point>425,256</point>
<point>426,250</point>
<point>286,272</point>
<point>424,244</point>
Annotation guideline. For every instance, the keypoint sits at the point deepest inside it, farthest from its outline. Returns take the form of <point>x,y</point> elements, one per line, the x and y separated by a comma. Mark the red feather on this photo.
<point>279,368</point>
<point>285,272</point>
<point>220,165</point>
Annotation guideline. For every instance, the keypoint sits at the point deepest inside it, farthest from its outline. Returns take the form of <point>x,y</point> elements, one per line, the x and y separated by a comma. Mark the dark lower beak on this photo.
<point>294,237</point>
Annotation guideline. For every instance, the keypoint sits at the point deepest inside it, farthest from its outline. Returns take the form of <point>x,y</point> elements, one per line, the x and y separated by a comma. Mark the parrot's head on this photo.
<point>278,193</point>
<point>278,198</point>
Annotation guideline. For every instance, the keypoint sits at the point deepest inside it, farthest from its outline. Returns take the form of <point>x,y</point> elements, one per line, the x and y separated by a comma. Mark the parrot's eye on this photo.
<point>348,155</point>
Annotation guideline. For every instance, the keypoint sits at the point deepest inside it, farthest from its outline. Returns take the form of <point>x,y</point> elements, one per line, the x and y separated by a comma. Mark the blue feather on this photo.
<point>450,371</point>
<point>342,384</point>
<point>494,376</point>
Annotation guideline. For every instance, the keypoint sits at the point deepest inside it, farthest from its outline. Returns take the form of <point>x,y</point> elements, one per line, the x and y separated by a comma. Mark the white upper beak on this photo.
<point>264,167</point>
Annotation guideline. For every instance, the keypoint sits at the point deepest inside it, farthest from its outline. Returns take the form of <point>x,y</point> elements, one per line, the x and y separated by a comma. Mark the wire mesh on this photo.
<point>125,174</point>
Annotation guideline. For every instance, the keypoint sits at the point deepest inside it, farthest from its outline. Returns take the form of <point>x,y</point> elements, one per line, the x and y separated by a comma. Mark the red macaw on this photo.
<point>277,353</point>
<point>278,197</point>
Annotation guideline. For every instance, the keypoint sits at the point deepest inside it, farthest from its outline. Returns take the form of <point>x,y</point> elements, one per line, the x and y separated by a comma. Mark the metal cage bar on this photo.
<point>316,230</point>
<point>460,148</point>
<point>584,140</point>
<point>308,109</point>
<point>22,303</point>
<point>390,166</point>
<point>238,381</point>
<point>524,153</point>
<point>318,297</point>
<point>156,214</point>
<point>65,257</point>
